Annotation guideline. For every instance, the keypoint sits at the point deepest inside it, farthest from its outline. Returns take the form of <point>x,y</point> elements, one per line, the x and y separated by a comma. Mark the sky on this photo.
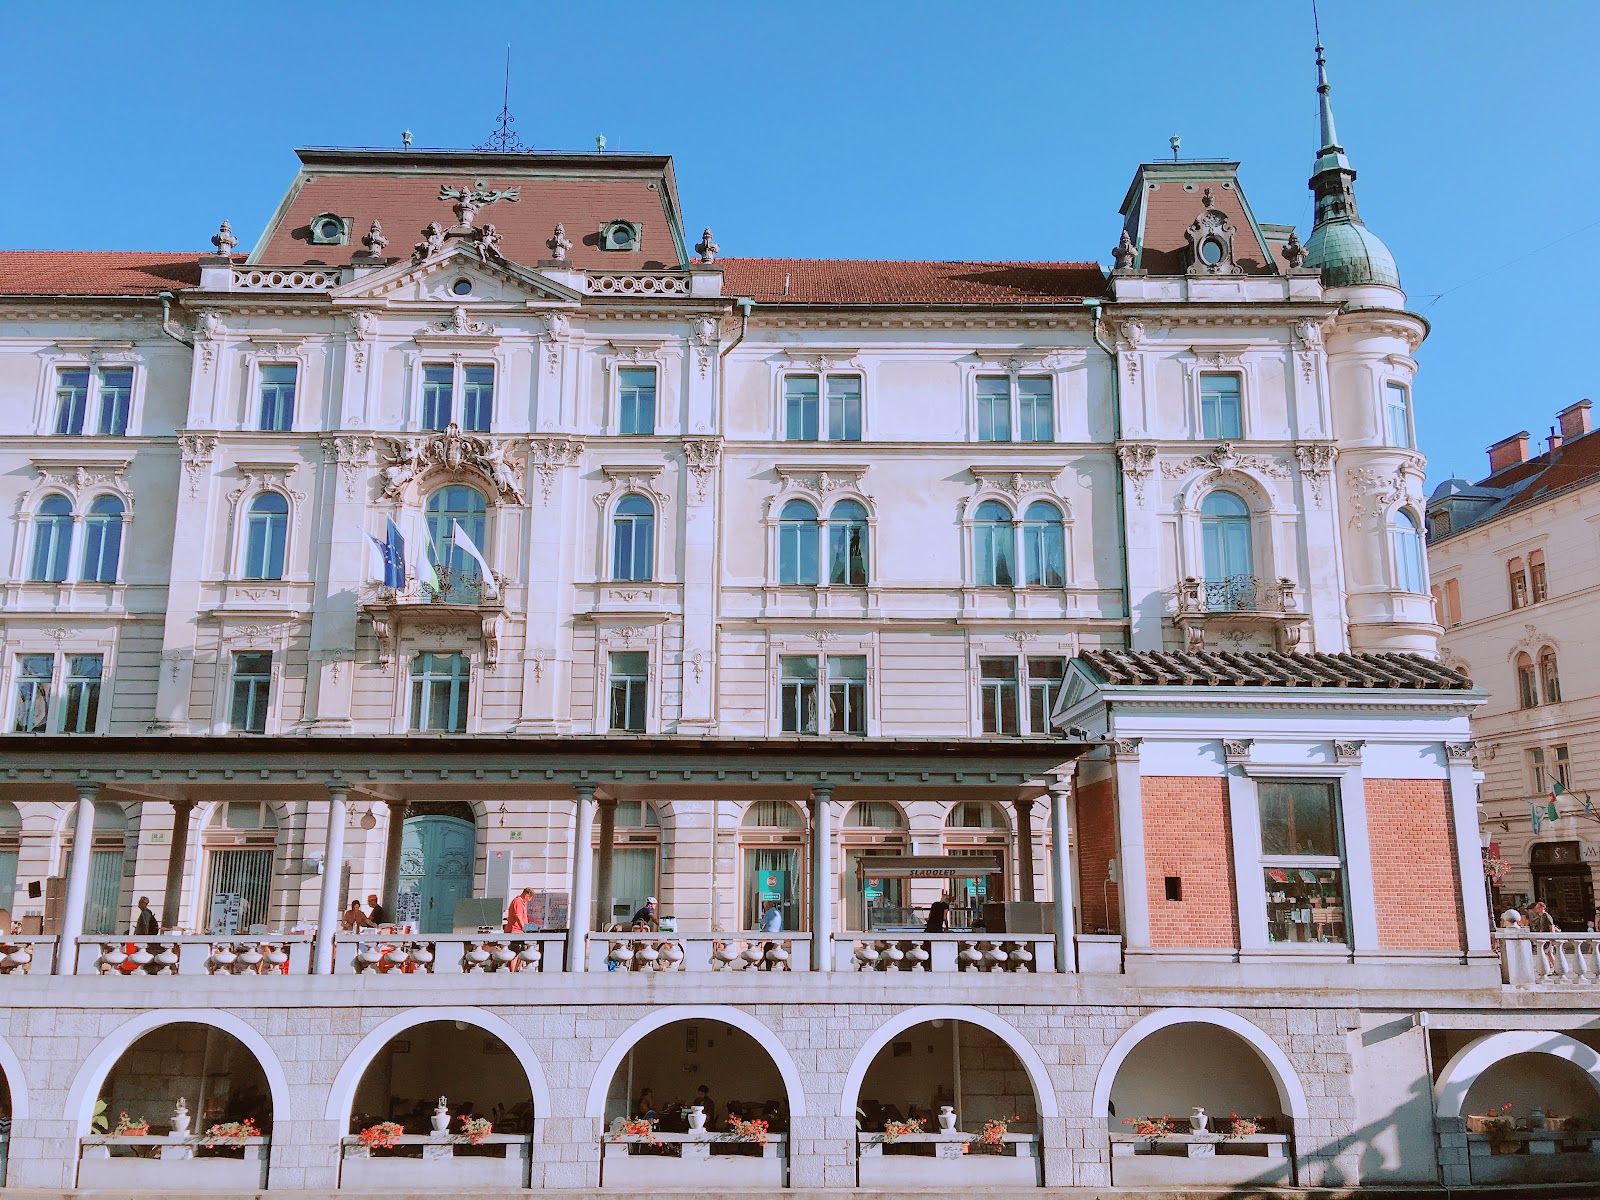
<point>984,129</point>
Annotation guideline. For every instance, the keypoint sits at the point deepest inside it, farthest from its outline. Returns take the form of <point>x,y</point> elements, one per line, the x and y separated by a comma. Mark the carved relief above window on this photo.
<point>1211,241</point>
<point>407,460</point>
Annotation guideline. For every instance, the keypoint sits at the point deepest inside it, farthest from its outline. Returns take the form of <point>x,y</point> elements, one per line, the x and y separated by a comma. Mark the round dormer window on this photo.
<point>1211,252</point>
<point>462,287</point>
<point>328,229</point>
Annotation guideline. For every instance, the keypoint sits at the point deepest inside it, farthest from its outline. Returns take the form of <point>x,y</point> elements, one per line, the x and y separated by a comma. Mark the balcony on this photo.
<point>441,1162</point>
<point>693,1161</point>
<point>946,1161</point>
<point>172,1162</point>
<point>457,601</point>
<point>1548,961</point>
<point>1239,606</point>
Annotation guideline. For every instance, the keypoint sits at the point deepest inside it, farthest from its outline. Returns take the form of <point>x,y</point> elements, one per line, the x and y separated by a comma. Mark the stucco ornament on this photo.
<point>1211,241</point>
<point>488,243</point>
<point>407,460</point>
<point>374,240</point>
<point>432,242</point>
<point>470,200</point>
<point>459,322</point>
<point>1293,252</point>
<point>1138,460</point>
<point>224,240</point>
<point>1124,253</point>
<point>559,244</point>
<point>707,247</point>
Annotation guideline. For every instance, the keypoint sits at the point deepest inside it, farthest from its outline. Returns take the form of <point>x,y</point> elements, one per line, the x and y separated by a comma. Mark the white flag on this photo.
<point>459,536</point>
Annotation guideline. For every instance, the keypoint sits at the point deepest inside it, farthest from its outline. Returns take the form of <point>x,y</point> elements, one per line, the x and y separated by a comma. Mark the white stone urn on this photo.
<point>440,1120</point>
<point>180,1118</point>
<point>947,1119</point>
<point>697,1118</point>
<point>1198,1121</point>
<point>1536,1118</point>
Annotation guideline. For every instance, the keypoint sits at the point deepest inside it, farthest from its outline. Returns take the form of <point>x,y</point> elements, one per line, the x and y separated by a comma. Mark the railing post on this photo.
<point>330,900</point>
<point>77,898</point>
<point>580,902</point>
<point>822,878</point>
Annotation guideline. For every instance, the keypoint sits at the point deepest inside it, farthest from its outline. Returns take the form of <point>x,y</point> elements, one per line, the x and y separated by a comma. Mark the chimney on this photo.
<point>1508,452</point>
<point>1574,420</point>
<point>1555,440</point>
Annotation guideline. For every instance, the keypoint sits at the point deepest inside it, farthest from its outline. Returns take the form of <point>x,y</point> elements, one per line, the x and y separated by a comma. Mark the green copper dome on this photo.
<point>1349,255</point>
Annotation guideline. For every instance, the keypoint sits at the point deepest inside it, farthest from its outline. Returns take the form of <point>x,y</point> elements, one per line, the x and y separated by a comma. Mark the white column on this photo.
<point>1249,885</point>
<point>1063,888</point>
<point>331,899</point>
<point>822,879</point>
<point>1131,883</point>
<point>77,902</point>
<point>581,902</point>
<point>1469,855</point>
<point>1363,926</point>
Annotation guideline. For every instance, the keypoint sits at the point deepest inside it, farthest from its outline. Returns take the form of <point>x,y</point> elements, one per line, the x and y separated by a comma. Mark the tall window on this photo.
<point>1397,400</point>
<point>52,540</point>
<point>1036,405</point>
<point>1548,677</point>
<point>35,675</point>
<point>447,509</point>
<point>102,540</point>
<point>277,397</point>
<point>1225,537</point>
<point>441,382</point>
<point>1044,546</point>
<point>797,693</point>
<point>72,399</point>
<point>847,693</point>
<point>994,408</point>
<point>797,544</point>
<point>806,420</point>
<point>81,709</point>
<point>1527,683</point>
<point>628,684</point>
<point>1303,861</point>
<point>771,862</point>
<point>1015,696</point>
<point>477,399</point>
<point>1044,685</point>
<point>108,389</point>
<point>1221,411</point>
<point>1027,402</point>
<point>1563,766</point>
<point>252,690</point>
<point>266,535</point>
<point>1536,771</point>
<point>638,401</point>
<point>997,692</point>
<point>632,538</point>
<point>1517,574</point>
<point>844,408</point>
<point>438,385</point>
<point>801,408</point>
<point>847,545</point>
<point>439,693</point>
<point>993,546</point>
<point>805,707</point>
<point>1537,579</point>
<point>1410,573</point>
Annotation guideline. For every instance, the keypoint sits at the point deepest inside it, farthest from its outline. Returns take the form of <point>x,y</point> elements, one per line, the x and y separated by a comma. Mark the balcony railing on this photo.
<point>190,954</point>
<point>948,953</point>
<point>1549,960</point>
<point>527,954</point>
<point>748,950</point>
<point>691,1161</point>
<point>1239,600</point>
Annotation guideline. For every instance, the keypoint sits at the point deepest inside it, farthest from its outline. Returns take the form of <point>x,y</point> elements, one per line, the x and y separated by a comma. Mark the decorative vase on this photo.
<point>180,1118</point>
<point>1536,1118</point>
<point>1198,1121</point>
<point>697,1118</point>
<point>440,1120</point>
<point>947,1119</point>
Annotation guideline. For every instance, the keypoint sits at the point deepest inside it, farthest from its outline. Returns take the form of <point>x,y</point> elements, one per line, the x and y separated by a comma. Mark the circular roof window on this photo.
<point>462,287</point>
<point>1211,252</point>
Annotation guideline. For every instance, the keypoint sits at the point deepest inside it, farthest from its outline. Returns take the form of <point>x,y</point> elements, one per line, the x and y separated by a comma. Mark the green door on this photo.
<point>105,892</point>
<point>436,856</point>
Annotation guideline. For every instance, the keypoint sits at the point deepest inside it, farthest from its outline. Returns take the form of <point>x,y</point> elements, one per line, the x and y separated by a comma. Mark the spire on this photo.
<point>1332,177</point>
<point>1330,154</point>
<point>504,139</point>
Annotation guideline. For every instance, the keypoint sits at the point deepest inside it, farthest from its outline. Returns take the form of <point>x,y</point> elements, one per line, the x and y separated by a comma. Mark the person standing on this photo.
<point>517,911</point>
<point>144,922</point>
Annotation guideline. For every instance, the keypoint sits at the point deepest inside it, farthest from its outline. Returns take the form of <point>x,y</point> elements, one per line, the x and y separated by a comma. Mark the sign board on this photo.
<point>473,913</point>
<point>772,885</point>
<point>408,908</point>
<point>1589,852</point>
<point>927,866</point>
<point>547,911</point>
<point>226,909</point>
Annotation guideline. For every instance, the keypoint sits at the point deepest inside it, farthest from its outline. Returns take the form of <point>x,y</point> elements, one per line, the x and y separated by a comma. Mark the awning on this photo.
<point>927,866</point>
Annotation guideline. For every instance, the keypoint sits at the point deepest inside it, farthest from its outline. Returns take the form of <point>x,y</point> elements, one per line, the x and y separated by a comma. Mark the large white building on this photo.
<point>559,553</point>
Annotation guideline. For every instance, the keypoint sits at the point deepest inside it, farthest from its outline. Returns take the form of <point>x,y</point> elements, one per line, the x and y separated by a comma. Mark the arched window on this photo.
<point>1406,534</point>
<point>456,516</point>
<point>771,841</point>
<point>797,544</point>
<point>1527,683</point>
<point>1548,677</point>
<point>976,829</point>
<point>1225,537</point>
<point>1044,546</point>
<point>994,548</point>
<point>266,533</point>
<point>102,540</point>
<point>632,538</point>
<point>847,544</point>
<point>52,539</point>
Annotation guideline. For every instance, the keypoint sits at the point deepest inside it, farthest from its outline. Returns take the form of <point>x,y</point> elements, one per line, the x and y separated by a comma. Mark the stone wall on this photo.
<point>1418,895</point>
<point>1186,837</point>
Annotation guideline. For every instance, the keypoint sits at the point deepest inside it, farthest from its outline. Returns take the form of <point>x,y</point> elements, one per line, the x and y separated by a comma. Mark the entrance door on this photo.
<point>436,855</point>
<point>105,891</point>
<point>1568,894</point>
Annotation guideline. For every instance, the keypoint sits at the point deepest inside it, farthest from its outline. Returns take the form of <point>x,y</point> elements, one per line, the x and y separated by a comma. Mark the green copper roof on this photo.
<point>1349,254</point>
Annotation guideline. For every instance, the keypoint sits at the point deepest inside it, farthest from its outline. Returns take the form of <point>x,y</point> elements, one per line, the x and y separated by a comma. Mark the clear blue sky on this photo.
<point>883,129</point>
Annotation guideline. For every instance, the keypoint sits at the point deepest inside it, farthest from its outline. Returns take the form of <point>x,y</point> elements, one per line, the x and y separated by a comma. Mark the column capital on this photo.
<point>182,805</point>
<point>87,789</point>
<point>821,793</point>
<point>338,789</point>
<point>585,790</point>
<point>1023,803</point>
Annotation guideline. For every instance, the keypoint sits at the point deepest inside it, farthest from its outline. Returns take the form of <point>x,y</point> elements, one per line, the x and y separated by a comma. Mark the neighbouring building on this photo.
<point>1515,563</point>
<point>1011,686</point>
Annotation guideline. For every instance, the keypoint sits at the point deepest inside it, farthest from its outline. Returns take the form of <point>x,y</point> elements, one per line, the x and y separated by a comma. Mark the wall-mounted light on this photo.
<point>369,819</point>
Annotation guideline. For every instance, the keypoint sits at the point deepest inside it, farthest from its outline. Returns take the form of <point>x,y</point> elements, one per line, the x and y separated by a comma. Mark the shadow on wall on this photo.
<point>208,1068</point>
<point>474,1070</point>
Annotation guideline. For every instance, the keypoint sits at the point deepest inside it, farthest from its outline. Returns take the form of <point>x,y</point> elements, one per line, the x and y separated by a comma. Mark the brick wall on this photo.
<point>1186,834</point>
<point>1100,906</point>
<point>1414,864</point>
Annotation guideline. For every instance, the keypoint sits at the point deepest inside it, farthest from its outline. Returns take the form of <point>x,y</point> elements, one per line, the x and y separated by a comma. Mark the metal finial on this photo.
<point>1174,141</point>
<point>504,139</point>
<point>405,138</point>
<point>599,143</point>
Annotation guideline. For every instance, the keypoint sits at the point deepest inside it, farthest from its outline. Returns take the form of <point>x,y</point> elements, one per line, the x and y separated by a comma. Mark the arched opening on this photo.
<point>994,547</point>
<point>266,536</point>
<point>798,536</point>
<point>1225,550</point>
<point>475,1071</point>
<point>873,827</point>
<point>635,862</point>
<point>107,857</point>
<point>5,1123</point>
<point>239,846</point>
<point>976,829</point>
<point>10,849</point>
<point>633,539</point>
<point>1535,1082</point>
<point>457,520</point>
<point>771,844</point>
<point>438,852</point>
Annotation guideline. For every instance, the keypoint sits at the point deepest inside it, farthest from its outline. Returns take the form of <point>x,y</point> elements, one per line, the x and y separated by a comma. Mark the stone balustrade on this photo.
<point>748,950</point>
<point>1200,1160</point>
<point>28,954</point>
<point>693,1161</point>
<point>285,279</point>
<point>1548,960</point>
<point>171,1163</point>
<point>435,953</point>
<point>947,953</point>
<point>437,1162</point>
<point>946,1161</point>
<point>195,954</point>
<point>636,283</point>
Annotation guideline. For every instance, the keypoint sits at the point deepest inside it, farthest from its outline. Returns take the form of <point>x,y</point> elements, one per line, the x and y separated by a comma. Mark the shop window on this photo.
<point>1302,859</point>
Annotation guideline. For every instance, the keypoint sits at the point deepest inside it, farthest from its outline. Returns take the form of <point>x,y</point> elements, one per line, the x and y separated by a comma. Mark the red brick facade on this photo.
<point>1186,834</point>
<point>1099,905</point>
<point>1414,864</point>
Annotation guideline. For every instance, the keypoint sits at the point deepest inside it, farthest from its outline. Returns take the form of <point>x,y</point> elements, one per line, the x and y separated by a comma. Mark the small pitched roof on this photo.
<point>1574,463</point>
<point>869,281</point>
<point>1164,200</point>
<point>96,272</point>
<point>1270,669</point>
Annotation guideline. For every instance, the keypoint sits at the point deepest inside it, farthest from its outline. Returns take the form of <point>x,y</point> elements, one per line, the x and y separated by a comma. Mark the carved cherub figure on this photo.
<point>488,243</point>
<point>432,243</point>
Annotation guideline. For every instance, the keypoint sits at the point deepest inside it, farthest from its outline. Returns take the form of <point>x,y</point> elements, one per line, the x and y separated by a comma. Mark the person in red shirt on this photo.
<point>517,912</point>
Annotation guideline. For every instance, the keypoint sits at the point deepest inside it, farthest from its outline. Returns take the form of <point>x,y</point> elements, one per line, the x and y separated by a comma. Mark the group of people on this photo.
<point>1537,920</point>
<point>355,920</point>
<point>672,1118</point>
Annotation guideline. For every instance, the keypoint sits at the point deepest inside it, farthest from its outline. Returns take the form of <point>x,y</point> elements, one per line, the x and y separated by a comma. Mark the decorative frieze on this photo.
<point>413,458</point>
<point>1138,462</point>
<point>548,455</point>
<point>197,450</point>
<point>703,456</point>
<point>1224,458</point>
<point>1316,465</point>
<point>350,454</point>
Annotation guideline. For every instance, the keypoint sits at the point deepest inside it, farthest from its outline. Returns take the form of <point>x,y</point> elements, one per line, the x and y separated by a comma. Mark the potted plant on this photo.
<point>385,1135</point>
<point>1242,1127</point>
<point>1499,1127</point>
<point>754,1130</point>
<point>898,1129</point>
<point>639,1127</point>
<point>1152,1129</point>
<point>231,1133</point>
<point>476,1130</point>
<point>993,1138</point>
<point>130,1126</point>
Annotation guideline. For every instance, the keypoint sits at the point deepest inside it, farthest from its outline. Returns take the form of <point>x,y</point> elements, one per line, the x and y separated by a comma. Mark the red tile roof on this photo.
<point>96,272</point>
<point>870,281</point>
<point>1571,464</point>
<point>1164,668</point>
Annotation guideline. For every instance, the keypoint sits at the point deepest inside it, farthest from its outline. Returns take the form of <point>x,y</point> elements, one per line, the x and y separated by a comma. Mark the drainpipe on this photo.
<point>168,326</point>
<point>1093,306</point>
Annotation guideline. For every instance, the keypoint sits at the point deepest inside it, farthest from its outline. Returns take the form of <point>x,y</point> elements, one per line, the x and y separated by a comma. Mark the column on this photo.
<point>1131,882</point>
<point>1062,887</point>
<point>822,879</point>
<point>1469,856</point>
<point>602,874</point>
<point>172,902</point>
<point>332,897</point>
<point>581,902</point>
<point>1024,849</point>
<point>77,901</point>
<point>393,841</point>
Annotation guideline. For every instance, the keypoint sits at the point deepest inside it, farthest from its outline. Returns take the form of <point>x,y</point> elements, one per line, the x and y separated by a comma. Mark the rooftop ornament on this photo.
<point>374,241</point>
<point>470,200</point>
<point>504,139</point>
<point>1293,252</point>
<point>706,248</point>
<point>1124,253</point>
<point>559,244</point>
<point>224,240</point>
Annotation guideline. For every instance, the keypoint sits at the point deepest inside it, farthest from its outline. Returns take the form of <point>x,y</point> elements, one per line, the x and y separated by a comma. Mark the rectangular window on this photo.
<point>629,679</point>
<point>1539,582</point>
<point>438,386</point>
<point>847,693</point>
<point>1044,685</point>
<point>116,398</point>
<point>477,399</point>
<point>638,401</point>
<point>844,408</point>
<point>1221,414</point>
<point>252,689</point>
<point>997,696</point>
<point>439,693</point>
<point>1519,584</point>
<point>1536,771</point>
<point>1452,603</point>
<point>35,674</point>
<point>801,408</point>
<point>1302,861</point>
<point>1563,767</point>
<point>82,708</point>
<point>1399,406</point>
<point>1038,410</point>
<point>277,398</point>
<point>994,408</point>
<point>798,694</point>
<point>72,399</point>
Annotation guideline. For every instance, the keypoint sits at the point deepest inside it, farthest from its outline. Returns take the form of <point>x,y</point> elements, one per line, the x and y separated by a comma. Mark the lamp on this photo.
<point>369,819</point>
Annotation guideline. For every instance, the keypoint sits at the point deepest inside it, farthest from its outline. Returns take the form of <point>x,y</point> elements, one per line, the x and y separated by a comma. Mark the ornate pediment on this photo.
<point>434,281</point>
<point>413,459</point>
<point>1016,483</point>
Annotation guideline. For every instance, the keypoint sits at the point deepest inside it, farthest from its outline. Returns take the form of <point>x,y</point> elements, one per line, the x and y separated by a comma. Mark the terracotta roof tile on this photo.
<point>1571,464</point>
<point>1161,668</point>
<point>96,272</point>
<point>870,281</point>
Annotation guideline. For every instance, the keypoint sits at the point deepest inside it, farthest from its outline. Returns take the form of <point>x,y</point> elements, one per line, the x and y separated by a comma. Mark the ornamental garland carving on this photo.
<point>702,455</point>
<point>349,454</point>
<point>1373,493</point>
<point>1224,458</point>
<point>1460,751</point>
<point>461,325</point>
<point>1316,465</point>
<point>1138,461</point>
<point>548,455</point>
<point>197,450</point>
<point>413,458</point>
<point>1016,484</point>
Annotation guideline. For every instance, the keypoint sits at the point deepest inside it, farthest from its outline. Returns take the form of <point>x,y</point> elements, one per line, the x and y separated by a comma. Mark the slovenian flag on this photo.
<point>467,546</point>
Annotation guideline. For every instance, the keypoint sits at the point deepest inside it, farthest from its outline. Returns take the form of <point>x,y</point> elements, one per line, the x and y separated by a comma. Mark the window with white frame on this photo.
<point>36,707</point>
<point>276,413</point>
<point>827,692</point>
<point>1527,682</point>
<point>250,691</point>
<point>998,696</point>
<point>1302,861</point>
<point>1221,406</point>
<point>847,545</point>
<point>847,693</point>
<point>102,539</point>
<point>1044,546</point>
<point>105,392</point>
<point>80,710</point>
<point>1563,767</point>
<point>1016,693</point>
<point>636,409</point>
<point>456,519</point>
<point>35,675</point>
<point>52,540</point>
<point>1517,576</point>
<point>633,539</point>
<point>1025,403</point>
<point>1397,405</point>
<point>266,536</point>
<point>805,419</point>
<point>1406,535</point>
<point>1538,581</point>
<point>1045,676</point>
<point>798,535</point>
<point>442,383</point>
<point>627,685</point>
<point>1539,781</point>
<point>994,548</point>
<point>439,692</point>
<point>1549,677</point>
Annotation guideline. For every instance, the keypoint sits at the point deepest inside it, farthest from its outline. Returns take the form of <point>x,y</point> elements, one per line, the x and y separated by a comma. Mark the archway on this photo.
<point>472,1068</point>
<point>952,1061</point>
<point>1525,1067</point>
<point>213,1073</point>
<point>438,851</point>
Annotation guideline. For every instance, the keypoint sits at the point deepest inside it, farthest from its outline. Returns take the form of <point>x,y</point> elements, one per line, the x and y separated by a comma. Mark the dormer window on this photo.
<point>1211,251</point>
<point>621,235</point>
<point>329,229</point>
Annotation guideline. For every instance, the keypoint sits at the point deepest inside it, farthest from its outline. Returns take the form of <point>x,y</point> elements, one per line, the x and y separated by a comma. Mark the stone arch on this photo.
<point>1043,1091</point>
<point>1291,1094</point>
<point>91,1076</point>
<point>15,1082</point>
<point>342,1092</point>
<point>1477,1056</point>
<point>724,1014</point>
